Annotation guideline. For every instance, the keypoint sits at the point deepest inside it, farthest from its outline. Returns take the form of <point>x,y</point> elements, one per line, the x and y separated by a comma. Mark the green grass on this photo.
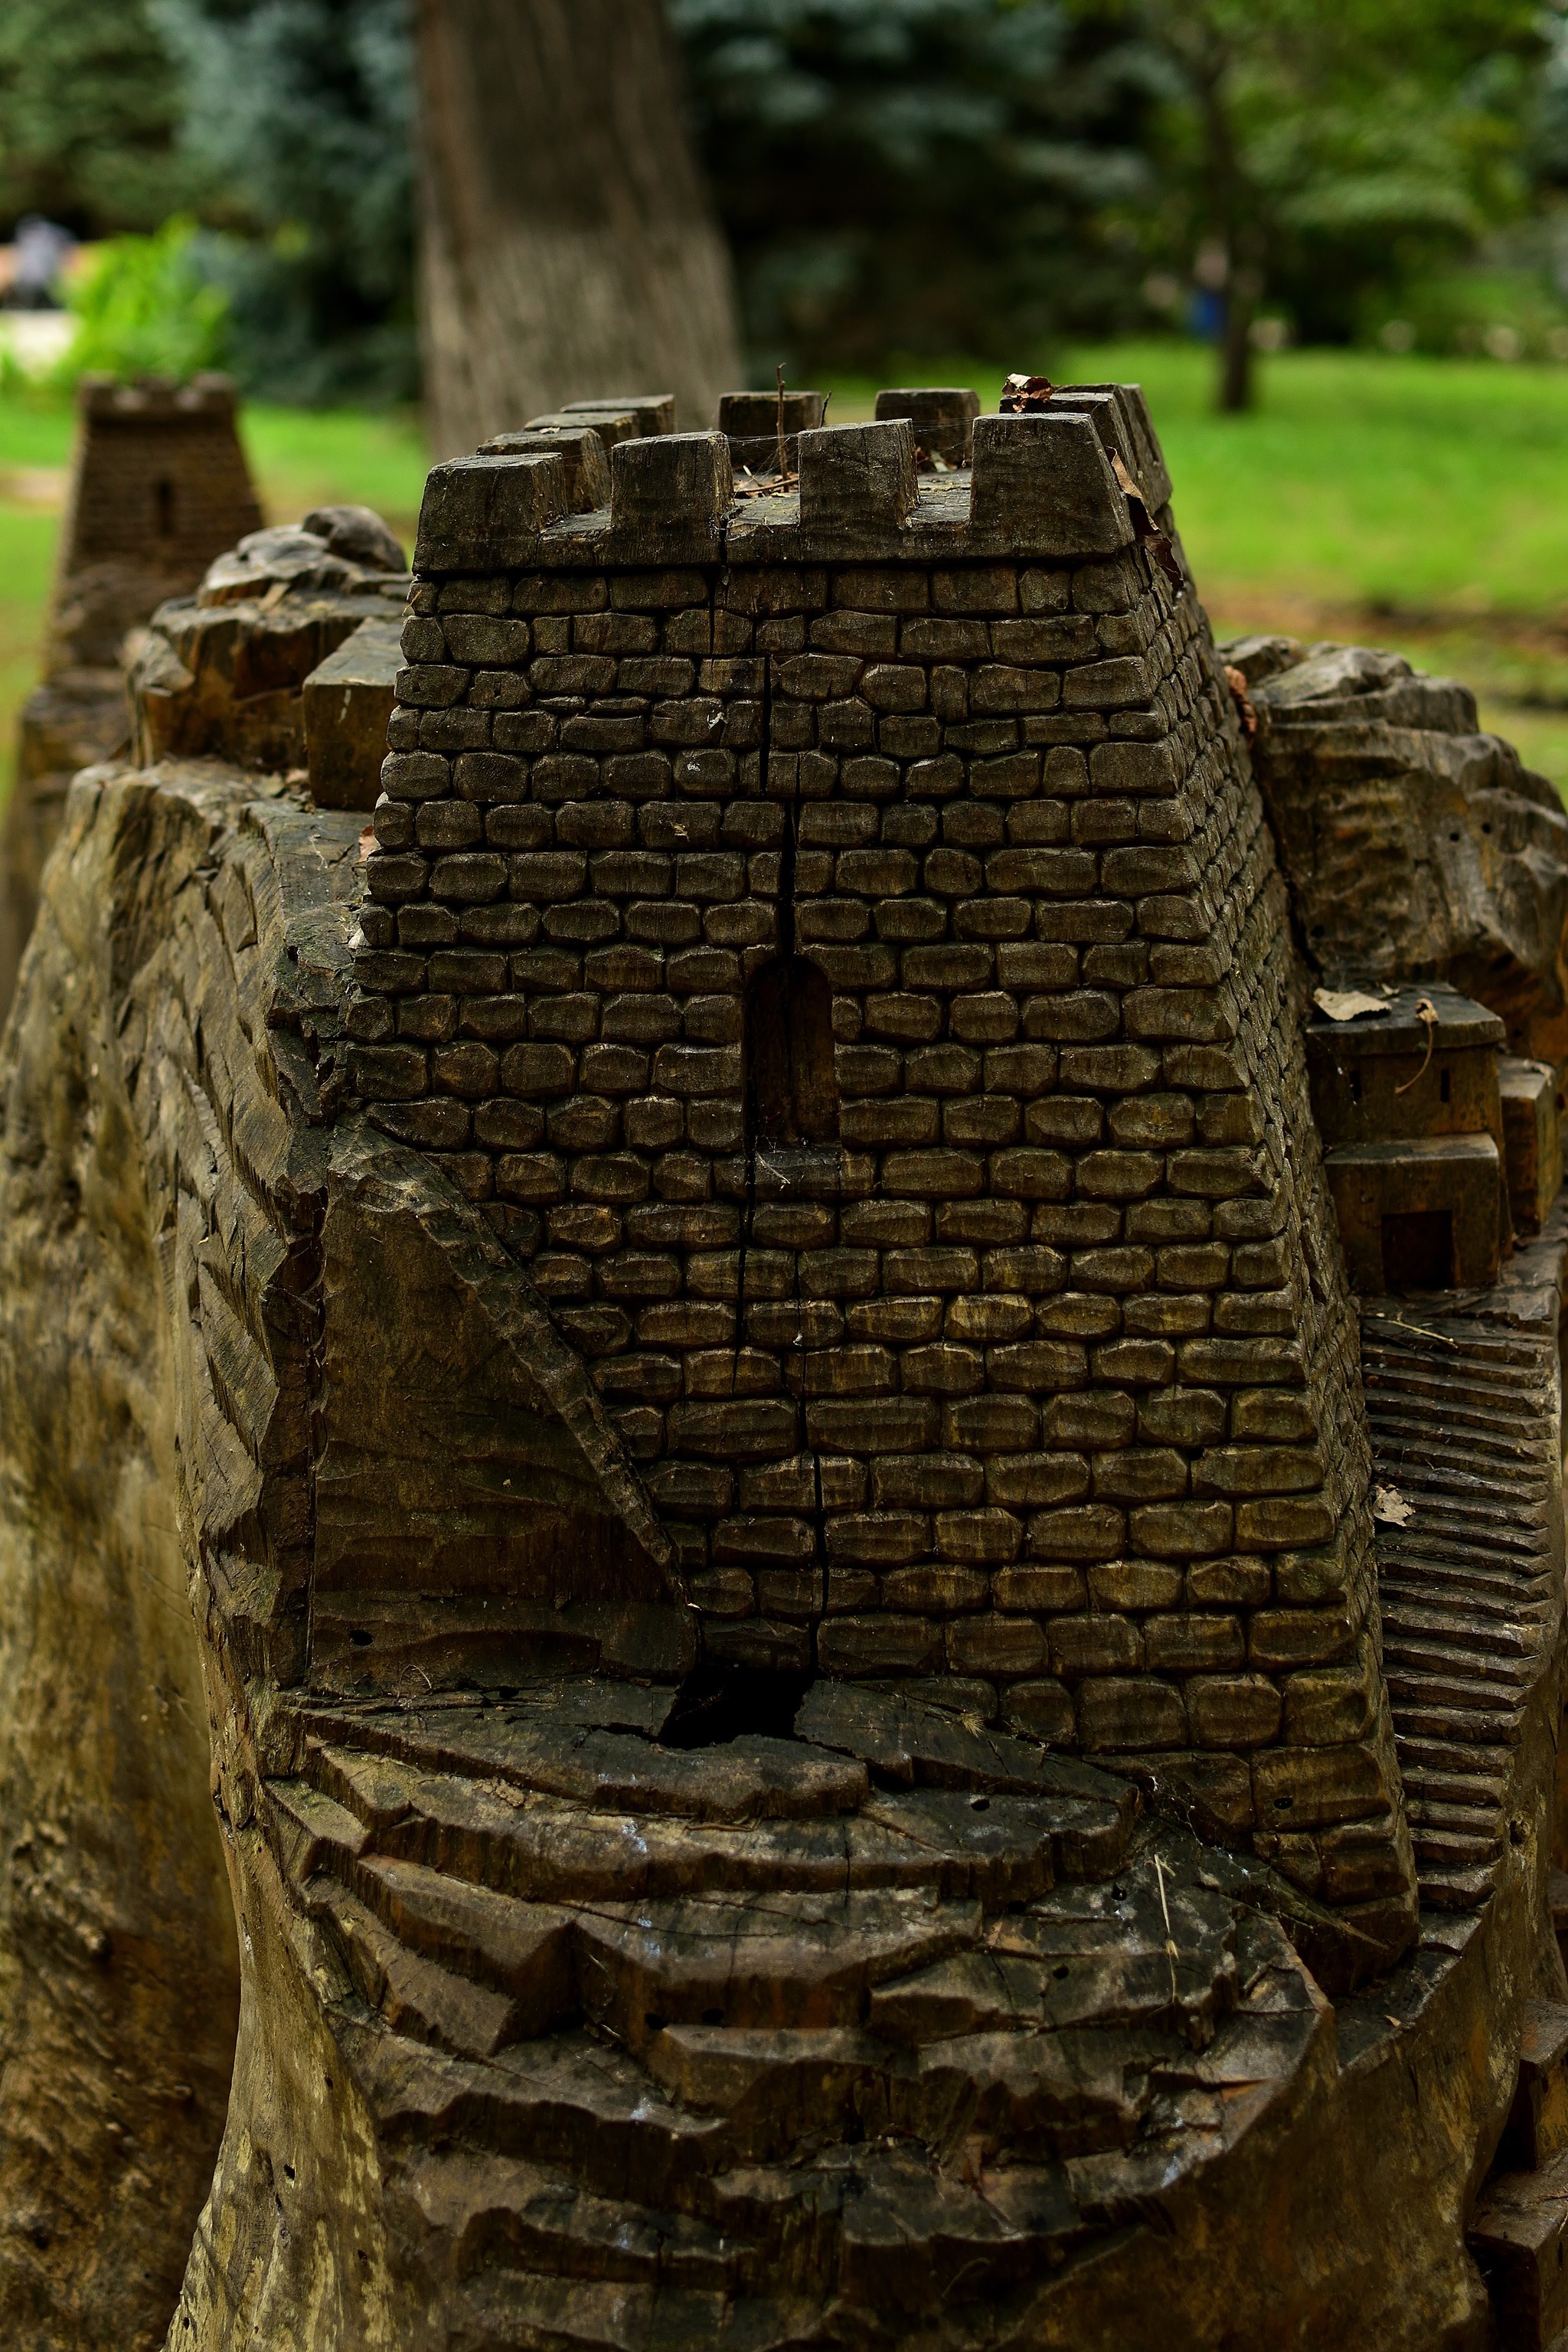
<point>304,459</point>
<point>27,561</point>
<point>1415,486</point>
<point>1416,503</point>
<point>1412,502</point>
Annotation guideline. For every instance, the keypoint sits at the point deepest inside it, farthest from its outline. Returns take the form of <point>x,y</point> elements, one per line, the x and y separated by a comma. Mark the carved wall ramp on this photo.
<point>1464,1403</point>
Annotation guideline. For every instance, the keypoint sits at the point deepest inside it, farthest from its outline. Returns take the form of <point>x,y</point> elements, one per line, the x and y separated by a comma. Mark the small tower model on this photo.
<point>158,487</point>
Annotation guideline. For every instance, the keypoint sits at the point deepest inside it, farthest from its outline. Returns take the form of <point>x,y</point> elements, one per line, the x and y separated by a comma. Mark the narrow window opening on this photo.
<point>164,507</point>
<point>1444,1083</point>
<point>791,1086</point>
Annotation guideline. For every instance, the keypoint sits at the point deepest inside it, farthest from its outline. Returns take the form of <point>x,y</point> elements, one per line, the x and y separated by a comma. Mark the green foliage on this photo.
<point>90,107</point>
<point>1336,148</point>
<point>1548,116</point>
<point>918,176</point>
<point>925,176</point>
<point>303,109</point>
<point>143,308</point>
<point>1508,309</point>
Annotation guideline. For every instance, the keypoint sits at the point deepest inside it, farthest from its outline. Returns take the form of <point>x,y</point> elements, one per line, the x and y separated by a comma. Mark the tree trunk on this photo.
<point>1236,350</point>
<point>1238,371</point>
<point>569,248</point>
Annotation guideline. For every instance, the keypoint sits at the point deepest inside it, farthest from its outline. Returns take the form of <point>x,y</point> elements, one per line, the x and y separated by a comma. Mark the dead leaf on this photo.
<point>1347,1003</point>
<point>1237,681</point>
<point>1155,544</point>
<point>1025,395</point>
<point>1390,1505</point>
<point>1130,487</point>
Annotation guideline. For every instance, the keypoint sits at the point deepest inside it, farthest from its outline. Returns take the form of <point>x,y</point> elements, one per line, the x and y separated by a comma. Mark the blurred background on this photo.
<point>1329,236</point>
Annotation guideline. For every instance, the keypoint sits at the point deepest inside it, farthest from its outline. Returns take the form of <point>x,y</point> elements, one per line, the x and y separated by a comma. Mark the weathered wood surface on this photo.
<point>665,1912</point>
<point>568,245</point>
<point>1415,846</point>
<point>546,2026</point>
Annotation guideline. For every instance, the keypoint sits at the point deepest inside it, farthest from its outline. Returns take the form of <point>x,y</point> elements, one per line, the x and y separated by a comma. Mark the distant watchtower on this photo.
<point>158,487</point>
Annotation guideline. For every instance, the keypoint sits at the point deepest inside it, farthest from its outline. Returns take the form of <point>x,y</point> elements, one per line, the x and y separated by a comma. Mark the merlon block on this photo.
<point>752,422</point>
<point>1045,481</point>
<point>674,481</point>
<point>580,448</point>
<point>943,420</point>
<point>611,424</point>
<point>483,514</point>
<point>858,476</point>
<point>653,411</point>
<point>751,416</point>
<point>1121,418</point>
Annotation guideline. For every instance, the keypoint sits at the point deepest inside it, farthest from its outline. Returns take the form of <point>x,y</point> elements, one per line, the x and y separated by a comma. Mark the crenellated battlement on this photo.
<point>152,397</point>
<point>1042,486</point>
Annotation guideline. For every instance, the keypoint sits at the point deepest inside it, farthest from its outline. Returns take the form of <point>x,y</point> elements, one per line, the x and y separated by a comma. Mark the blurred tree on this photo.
<point>569,246</point>
<point>925,176</point>
<point>302,112</point>
<point>1313,149</point>
<point>89,109</point>
<point>1549,113</point>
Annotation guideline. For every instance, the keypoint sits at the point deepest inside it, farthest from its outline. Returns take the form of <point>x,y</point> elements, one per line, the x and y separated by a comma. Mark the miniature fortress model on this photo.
<point>158,487</point>
<point>852,1699</point>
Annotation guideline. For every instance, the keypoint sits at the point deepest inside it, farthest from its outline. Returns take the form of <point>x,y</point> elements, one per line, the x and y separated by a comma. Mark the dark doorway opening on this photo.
<point>792,1090</point>
<point>718,1704</point>
<point>1418,1250</point>
<point>164,508</point>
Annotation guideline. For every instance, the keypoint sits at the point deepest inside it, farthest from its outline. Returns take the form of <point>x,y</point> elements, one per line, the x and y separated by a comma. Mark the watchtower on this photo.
<point>834,933</point>
<point>158,487</point>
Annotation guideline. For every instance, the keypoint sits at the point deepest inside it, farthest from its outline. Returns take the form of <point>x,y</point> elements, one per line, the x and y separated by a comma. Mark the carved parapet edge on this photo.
<point>156,399</point>
<point>1042,485</point>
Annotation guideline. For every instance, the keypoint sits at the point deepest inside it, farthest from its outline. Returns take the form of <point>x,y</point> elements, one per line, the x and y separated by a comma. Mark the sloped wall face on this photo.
<point>862,993</point>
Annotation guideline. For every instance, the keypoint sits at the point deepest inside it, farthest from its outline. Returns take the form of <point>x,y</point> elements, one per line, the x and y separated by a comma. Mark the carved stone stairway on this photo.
<point>1465,1416</point>
<point>898,2002</point>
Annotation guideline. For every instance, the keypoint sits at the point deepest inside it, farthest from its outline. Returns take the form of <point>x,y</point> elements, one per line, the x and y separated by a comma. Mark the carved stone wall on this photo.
<point>1037,1373</point>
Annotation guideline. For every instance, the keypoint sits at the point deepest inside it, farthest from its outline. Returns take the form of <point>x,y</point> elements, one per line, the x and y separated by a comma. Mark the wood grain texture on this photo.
<point>569,246</point>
